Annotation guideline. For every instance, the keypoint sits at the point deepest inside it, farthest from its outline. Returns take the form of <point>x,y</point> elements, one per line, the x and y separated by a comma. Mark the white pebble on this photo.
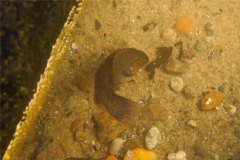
<point>116,146</point>
<point>177,84</point>
<point>232,109</point>
<point>180,155</point>
<point>192,123</point>
<point>171,156</point>
<point>169,35</point>
<point>152,137</point>
<point>74,46</point>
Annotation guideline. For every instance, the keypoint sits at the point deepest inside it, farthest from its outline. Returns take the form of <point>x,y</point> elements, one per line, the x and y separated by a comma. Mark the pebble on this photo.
<point>169,35</point>
<point>201,46</point>
<point>180,155</point>
<point>189,53</point>
<point>232,109</point>
<point>152,137</point>
<point>77,124</point>
<point>154,112</point>
<point>192,123</point>
<point>209,28</point>
<point>188,92</point>
<point>77,104</point>
<point>177,84</point>
<point>200,148</point>
<point>108,128</point>
<point>140,154</point>
<point>175,66</point>
<point>211,100</point>
<point>116,146</point>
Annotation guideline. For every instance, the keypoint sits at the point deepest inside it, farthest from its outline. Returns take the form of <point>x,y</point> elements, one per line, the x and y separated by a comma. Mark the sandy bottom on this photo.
<point>66,127</point>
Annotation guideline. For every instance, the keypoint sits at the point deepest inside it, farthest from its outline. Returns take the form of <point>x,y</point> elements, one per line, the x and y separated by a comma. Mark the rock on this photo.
<point>200,148</point>
<point>180,155</point>
<point>77,104</point>
<point>192,123</point>
<point>169,35</point>
<point>211,100</point>
<point>132,144</point>
<point>140,154</point>
<point>177,84</point>
<point>150,26</point>
<point>209,28</point>
<point>232,109</point>
<point>154,112</point>
<point>201,46</point>
<point>189,53</point>
<point>116,146</point>
<point>77,124</point>
<point>152,137</point>
<point>108,128</point>
<point>175,66</point>
<point>188,92</point>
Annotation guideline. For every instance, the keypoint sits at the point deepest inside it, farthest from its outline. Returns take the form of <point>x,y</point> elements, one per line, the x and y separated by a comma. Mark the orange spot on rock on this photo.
<point>184,25</point>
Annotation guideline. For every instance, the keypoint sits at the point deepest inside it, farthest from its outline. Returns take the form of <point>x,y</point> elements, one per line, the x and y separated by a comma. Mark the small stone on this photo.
<point>116,146</point>
<point>169,35</point>
<point>175,66</point>
<point>188,92</point>
<point>209,28</point>
<point>171,156</point>
<point>177,84</point>
<point>200,148</point>
<point>132,144</point>
<point>189,53</point>
<point>192,123</point>
<point>201,46</point>
<point>180,155</point>
<point>211,100</point>
<point>108,128</point>
<point>232,109</point>
<point>154,112</point>
<point>152,137</point>
<point>150,26</point>
<point>77,104</point>
<point>77,124</point>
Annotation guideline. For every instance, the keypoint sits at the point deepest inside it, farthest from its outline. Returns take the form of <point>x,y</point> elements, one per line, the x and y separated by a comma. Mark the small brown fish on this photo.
<point>116,69</point>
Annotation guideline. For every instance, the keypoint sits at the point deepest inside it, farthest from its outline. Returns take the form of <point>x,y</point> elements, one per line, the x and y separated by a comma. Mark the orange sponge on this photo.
<point>184,25</point>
